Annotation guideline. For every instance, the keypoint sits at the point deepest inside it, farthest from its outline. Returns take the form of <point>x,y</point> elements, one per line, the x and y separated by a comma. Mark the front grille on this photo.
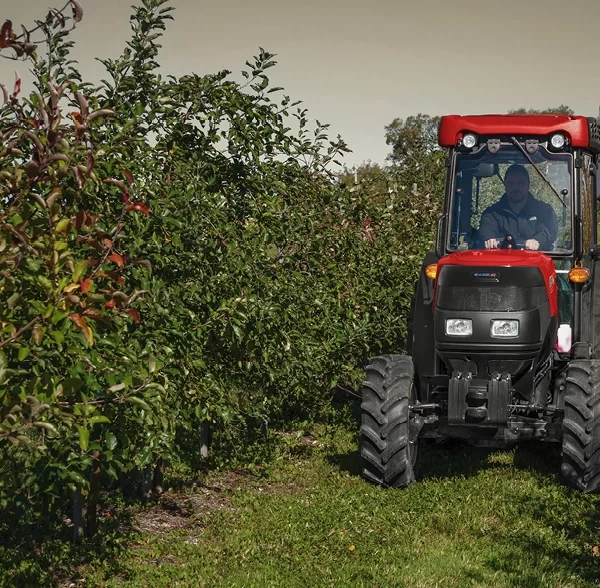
<point>490,298</point>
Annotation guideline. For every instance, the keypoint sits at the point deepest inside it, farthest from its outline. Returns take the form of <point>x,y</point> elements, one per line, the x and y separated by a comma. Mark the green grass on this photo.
<point>477,518</point>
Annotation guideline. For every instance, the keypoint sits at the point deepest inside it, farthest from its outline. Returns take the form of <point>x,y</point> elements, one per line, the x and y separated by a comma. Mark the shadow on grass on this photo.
<point>535,456</point>
<point>569,522</point>
<point>44,554</point>
<point>577,567</point>
<point>456,458</point>
<point>451,460</point>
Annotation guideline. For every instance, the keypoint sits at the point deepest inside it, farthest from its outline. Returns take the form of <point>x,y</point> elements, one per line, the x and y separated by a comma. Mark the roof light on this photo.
<point>469,140</point>
<point>557,141</point>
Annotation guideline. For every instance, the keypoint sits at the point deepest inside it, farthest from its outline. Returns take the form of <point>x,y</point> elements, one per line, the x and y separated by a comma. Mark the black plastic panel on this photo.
<point>594,126</point>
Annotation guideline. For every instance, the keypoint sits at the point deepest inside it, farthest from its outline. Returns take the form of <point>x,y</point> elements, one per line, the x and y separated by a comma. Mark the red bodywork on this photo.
<point>509,258</point>
<point>453,127</point>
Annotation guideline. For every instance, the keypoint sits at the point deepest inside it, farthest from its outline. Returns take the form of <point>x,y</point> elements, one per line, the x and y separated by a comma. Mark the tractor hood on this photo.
<point>487,265</point>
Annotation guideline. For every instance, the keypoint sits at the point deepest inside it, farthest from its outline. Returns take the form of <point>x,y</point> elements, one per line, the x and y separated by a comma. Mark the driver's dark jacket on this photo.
<point>536,220</point>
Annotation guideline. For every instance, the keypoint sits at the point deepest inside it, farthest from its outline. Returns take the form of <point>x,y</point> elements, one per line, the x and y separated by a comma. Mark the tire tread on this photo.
<point>581,426</point>
<point>384,432</point>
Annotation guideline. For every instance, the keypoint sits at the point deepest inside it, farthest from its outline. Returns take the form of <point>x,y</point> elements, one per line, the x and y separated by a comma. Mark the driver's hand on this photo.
<point>493,243</point>
<point>532,244</point>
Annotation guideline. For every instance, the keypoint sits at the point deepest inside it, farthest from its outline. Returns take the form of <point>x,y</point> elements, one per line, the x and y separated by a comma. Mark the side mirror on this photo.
<point>485,170</point>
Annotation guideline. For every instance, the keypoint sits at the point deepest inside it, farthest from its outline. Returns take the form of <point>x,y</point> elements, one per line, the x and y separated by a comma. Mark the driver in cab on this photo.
<point>530,222</point>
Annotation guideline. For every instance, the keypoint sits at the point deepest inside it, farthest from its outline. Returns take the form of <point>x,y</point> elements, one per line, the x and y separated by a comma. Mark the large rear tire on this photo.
<point>581,426</point>
<point>389,444</point>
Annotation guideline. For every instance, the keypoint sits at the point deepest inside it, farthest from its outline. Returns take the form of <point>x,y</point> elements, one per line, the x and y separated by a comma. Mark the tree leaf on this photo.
<point>48,426</point>
<point>138,207</point>
<point>37,334</point>
<point>110,440</point>
<point>79,269</point>
<point>13,299</point>
<point>85,286</point>
<point>62,225</point>
<point>86,332</point>
<point>128,176</point>
<point>77,11</point>
<point>84,438</point>
<point>138,401</point>
<point>135,315</point>
<point>117,259</point>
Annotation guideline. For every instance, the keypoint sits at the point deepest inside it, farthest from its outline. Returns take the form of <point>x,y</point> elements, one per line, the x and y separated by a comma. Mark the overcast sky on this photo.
<point>359,64</point>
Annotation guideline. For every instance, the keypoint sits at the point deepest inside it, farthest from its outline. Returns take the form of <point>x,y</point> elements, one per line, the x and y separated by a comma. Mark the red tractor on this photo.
<point>504,332</point>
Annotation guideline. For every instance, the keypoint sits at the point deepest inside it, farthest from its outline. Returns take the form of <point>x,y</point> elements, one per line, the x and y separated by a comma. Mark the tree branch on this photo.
<point>20,332</point>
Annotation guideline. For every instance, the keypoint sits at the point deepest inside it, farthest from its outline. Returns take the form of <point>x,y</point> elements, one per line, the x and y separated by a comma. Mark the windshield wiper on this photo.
<point>537,169</point>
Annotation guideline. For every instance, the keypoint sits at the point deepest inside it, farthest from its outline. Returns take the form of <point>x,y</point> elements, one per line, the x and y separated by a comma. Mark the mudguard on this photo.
<point>420,342</point>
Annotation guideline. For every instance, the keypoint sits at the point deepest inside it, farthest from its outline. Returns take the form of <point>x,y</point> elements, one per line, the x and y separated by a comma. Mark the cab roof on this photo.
<point>576,128</point>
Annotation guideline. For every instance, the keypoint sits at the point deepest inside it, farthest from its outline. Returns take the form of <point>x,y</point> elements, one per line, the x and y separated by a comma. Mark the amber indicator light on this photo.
<point>579,275</point>
<point>431,271</point>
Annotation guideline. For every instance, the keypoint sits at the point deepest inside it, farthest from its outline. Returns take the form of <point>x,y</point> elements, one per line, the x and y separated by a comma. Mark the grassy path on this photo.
<point>478,518</point>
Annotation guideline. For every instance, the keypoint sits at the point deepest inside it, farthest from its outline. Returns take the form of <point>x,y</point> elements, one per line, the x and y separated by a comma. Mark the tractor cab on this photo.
<point>504,332</point>
<point>558,156</point>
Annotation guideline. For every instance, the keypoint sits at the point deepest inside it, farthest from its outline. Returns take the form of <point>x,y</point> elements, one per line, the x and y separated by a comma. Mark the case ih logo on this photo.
<point>486,276</point>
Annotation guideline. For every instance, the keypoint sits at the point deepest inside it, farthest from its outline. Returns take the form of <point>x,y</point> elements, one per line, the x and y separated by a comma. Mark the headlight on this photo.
<point>469,140</point>
<point>504,328</point>
<point>459,327</point>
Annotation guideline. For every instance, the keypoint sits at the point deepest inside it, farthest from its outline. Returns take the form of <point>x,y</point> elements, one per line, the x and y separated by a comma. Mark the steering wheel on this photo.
<point>510,243</point>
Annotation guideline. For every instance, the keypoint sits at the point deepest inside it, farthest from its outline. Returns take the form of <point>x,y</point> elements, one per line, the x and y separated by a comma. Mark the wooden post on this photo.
<point>204,433</point>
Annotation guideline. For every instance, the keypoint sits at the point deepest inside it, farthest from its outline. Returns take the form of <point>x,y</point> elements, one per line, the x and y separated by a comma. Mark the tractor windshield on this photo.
<point>511,192</point>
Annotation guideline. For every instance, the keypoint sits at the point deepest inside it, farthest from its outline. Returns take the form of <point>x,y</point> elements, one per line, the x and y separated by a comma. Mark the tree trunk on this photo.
<point>159,475</point>
<point>77,515</point>
<point>146,482</point>
<point>92,507</point>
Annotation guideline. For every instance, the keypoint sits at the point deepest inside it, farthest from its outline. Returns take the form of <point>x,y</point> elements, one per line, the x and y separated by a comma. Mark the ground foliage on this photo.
<point>311,520</point>
<point>177,252</point>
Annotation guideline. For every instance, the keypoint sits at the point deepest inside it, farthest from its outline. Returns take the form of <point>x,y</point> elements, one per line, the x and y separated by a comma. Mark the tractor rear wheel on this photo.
<point>581,426</point>
<point>389,444</point>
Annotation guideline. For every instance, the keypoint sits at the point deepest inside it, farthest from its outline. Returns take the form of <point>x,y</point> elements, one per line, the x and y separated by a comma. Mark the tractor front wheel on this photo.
<point>389,444</point>
<point>581,426</point>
